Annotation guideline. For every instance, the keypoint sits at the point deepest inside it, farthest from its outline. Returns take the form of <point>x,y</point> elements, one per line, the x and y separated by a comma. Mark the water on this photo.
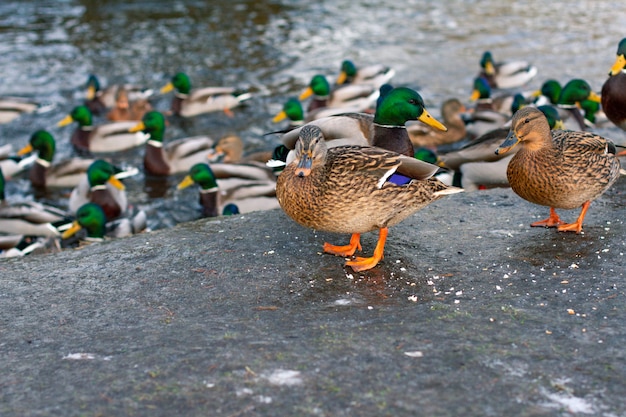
<point>47,49</point>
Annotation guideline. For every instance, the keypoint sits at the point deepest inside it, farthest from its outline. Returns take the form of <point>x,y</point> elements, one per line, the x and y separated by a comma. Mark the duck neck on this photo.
<point>393,138</point>
<point>208,201</point>
<point>318,102</point>
<point>38,173</point>
<point>80,138</point>
<point>154,159</point>
<point>177,103</point>
<point>101,196</point>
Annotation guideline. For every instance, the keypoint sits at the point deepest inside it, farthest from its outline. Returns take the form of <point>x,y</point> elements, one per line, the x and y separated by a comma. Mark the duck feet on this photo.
<point>346,250</point>
<point>577,226</point>
<point>362,264</point>
<point>553,221</point>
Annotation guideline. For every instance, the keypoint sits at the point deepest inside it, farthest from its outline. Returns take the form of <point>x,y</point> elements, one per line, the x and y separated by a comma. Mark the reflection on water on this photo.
<point>273,47</point>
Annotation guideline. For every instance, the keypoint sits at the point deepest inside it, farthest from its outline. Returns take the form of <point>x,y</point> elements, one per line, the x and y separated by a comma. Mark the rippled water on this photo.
<point>47,48</point>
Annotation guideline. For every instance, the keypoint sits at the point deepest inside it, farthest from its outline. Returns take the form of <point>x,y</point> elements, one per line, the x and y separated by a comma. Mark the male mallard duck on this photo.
<point>91,218</point>
<point>216,193</point>
<point>549,93</point>
<point>125,110</point>
<point>385,129</point>
<point>506,74</point>
<point>13,107</point>
<point>99,99</point>
<point>614,89</point>
<point>107,137</point>
<point>100,186</point>
<point>345,189</point>
<point>189,103</point>
<point>451,111</point>
<point>376,74</point>
<point>177,156</point>
<point>292,109</point>
<point>572,94</point>
<point>560,169</point>
<point>12,164</point>
<point>489,112</point>
<point>357,97</point>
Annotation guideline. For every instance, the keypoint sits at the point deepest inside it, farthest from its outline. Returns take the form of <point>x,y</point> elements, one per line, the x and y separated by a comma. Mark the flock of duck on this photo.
<point>363,157</point>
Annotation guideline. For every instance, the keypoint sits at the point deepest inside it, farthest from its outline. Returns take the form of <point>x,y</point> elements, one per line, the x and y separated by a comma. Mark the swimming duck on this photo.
<point>177,156</point>
<point>451,111</point>
<point>292,109</point>
<point>188,103</point>
<point>560,169</point>
<point>99,99</point>
<point>345,189</point>
<point>13,107</point>
<point>572,94</point>
<point>614,89</point>
<point>124,109</point>
<point>506,74</point>
<point>357,97</point>
<point>229,150</point>
<point>385,129</point>
<point>11,163</point>
<point>376,74</point>
<point>99,185</point>
<point>548,93</point>
<point>91,218</point>
<point>104,138</point>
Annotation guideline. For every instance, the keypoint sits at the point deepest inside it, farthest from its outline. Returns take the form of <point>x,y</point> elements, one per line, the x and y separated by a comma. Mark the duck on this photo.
<point>229,150</point>
<point>99,99</point>
<point>29,218</point>
<point>345,189</point>
<point>91,218</point>
<point>489,112</point>
<point>13,107</point>
<point>175,157</point>
<point>385,129</point>
<point>572,94</point>
<point>103,138</point>
<point>562,169</point>
<point>357,97</point>
<point>13,164</point>
<point>99,185</point>
<point>188,102</point>
<point>505,75</point>
<point>613,92</point>
<point>125,110</point>
<point>451,112</point>
<point>247,194</point>
<point>292,110</point>
<point>375,74</point>
<point>548,93</point>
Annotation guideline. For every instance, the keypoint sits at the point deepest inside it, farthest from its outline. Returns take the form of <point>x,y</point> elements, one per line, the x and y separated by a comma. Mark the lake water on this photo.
<point>47,49</point>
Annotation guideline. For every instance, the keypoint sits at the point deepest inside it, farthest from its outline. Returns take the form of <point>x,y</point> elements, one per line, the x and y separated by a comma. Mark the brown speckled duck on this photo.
<point>560,169</point>
<point>346,189</point>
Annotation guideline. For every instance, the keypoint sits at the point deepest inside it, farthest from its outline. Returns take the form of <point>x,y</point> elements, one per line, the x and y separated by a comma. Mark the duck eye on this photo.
<point>527,121</point>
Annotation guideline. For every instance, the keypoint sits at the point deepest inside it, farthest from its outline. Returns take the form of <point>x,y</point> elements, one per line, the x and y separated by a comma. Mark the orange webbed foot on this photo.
<point>363,264</point>
<point>553,221</point>
<point>577,226</point>
<point>229,113</point>
<point>346,250</point>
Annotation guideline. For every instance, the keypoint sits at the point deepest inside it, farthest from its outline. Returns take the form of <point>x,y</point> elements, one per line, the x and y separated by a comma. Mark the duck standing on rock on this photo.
<point>346,189</point>
<point>560,169</point>
<point>614,90</point>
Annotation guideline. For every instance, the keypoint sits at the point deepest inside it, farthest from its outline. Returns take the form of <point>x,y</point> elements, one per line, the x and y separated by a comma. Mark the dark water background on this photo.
<point>47,49</point>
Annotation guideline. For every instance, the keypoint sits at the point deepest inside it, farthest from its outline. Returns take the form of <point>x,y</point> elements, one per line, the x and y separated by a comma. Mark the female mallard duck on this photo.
<point>108,137</point>
<point>345,189</point>
<point>248,194</point>
<point>100,186</point>
<point>561,169</point>
<point>29,218</point>
<point>375,75</point>
<point>91,218</point>
<point>177,156</point>
<point>13,107</point>
<point>229,150</point>
<point>614,89</point>
<point>385,129</point>
<point>451,112</point>
<point>189,103</point>
<point>124,109</point>
<point>506,74</point>
<point>99,99</point>
<point>357,97</point>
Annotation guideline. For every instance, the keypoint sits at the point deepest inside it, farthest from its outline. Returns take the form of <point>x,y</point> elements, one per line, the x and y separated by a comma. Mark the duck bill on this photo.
<point>594,97</point>
<point>619,64</point>
<point>91,92</point>
<point>279,117</point>
<point>26,149</point>
<point>66,121</point>
<point>72,230</point>
<point>116,183</point>
<point>306,94</point>
<point>213,155</point>
<point>508,144</point>
<point>475,95</point>
<point>167,88</point>
<point>342,78</point>
<point>303,168</point>
<point>137,128</point>
<point>186,182</point>
<point>536,93</point>
<point>489,68</point>
<point>425,117</point>
<point>559,125</point>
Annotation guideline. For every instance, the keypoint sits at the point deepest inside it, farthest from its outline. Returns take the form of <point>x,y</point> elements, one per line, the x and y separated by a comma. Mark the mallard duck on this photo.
<point>357,97</point>
<point>177,156</point>
<point>11,163</point>
<point>20,245</point>
<point>385,129</point>
<point>548,93</point>
<point>189,103</point>
<point>100,186</point>
<point>506,74</point>
<point>345,189</point>
<point>229,150</point>
<point>292,109</point>
<point>572,94</point>
<point>614,89</point>
<point>29,218</point>
<point>104,138</point>
<point>125,110</point>
<point>488,113</point>
<point>560,169</point>
<point>99,99</point>
<point>248,194</point>
<point>13,107</point>
<point>375,75</point>
<point>91,218</point>
<point>451,111</point>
